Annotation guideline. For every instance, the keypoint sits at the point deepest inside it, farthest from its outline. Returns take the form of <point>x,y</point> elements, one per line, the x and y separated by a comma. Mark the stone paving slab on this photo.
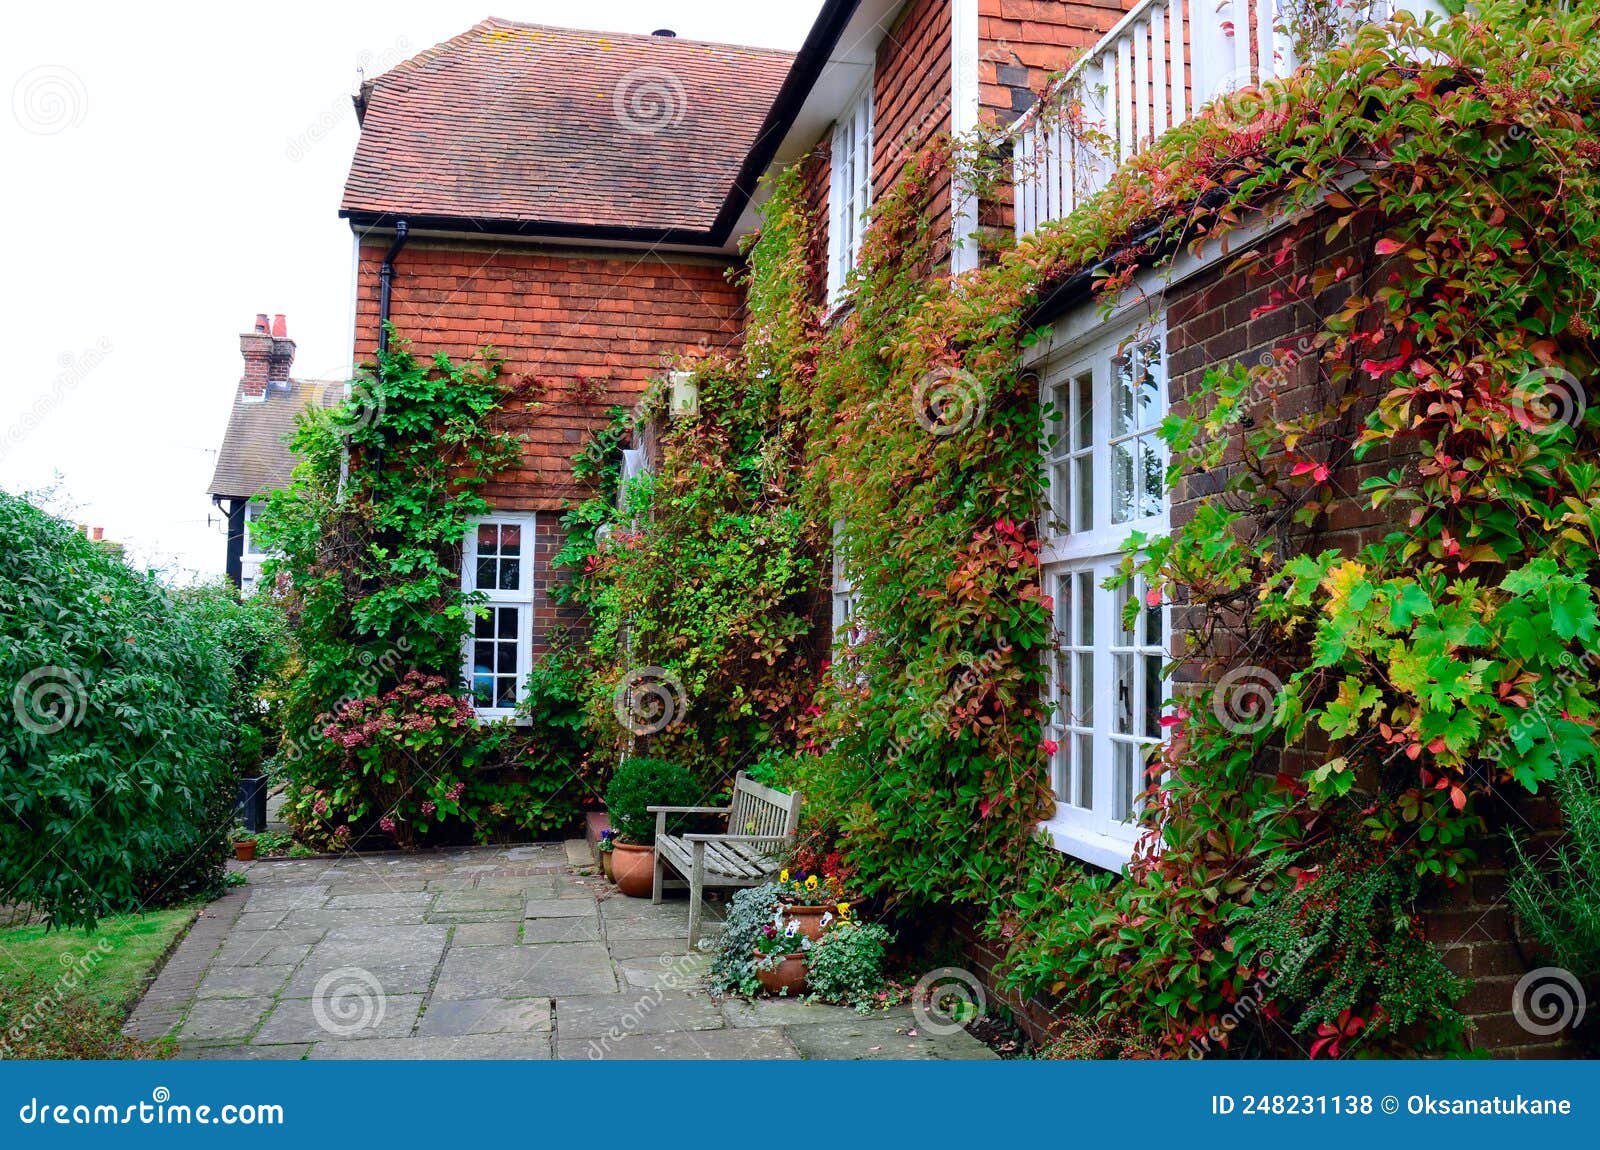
<point>486,952</point>
<point>595,1016</point>
<point>683,1044</point>
<point>486,1016</point>
<point>520,1047</point>
<point>357,1017</point>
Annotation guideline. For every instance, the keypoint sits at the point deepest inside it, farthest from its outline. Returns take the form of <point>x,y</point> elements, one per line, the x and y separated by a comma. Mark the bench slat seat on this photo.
<point>761,830</point>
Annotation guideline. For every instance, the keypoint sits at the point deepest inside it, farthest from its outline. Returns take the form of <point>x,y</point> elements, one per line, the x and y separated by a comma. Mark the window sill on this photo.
<point>485,717</point>
<point>1102,850</point>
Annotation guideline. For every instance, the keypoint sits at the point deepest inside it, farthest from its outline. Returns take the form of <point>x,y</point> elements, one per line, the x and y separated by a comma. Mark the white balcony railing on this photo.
<point>1161,62</point>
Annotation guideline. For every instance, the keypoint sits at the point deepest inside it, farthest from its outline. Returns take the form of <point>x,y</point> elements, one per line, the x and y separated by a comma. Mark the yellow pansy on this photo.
<point>811,883</point>
<point>783,875</point>
<point>844,910</point>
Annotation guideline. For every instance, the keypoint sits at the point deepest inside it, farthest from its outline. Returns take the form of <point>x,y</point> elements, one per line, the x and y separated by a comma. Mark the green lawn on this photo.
<point>64,993</point>
<point>111,964</point>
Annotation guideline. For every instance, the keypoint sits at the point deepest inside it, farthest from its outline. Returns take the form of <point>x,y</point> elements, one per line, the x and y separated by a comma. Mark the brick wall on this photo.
<point>590,328</point>
<point>1209,325</point>
<point>911,103</point>
<point>549,617</point>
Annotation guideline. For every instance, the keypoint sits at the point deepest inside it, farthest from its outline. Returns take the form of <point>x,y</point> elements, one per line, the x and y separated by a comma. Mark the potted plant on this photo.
<point>607,847</point>
<point>638,785</point>
<point>812,901</point>
<point>781,958</point>
<point>244,846</point>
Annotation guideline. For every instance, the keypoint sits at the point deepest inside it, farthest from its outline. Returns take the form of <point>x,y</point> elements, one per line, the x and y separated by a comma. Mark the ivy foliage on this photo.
<point>706,573</point>
<point>1439,253</point>
<point>377,734</point>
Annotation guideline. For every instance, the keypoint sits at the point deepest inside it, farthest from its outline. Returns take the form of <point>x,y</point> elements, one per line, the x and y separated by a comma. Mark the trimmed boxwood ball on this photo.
<point>643,783</point>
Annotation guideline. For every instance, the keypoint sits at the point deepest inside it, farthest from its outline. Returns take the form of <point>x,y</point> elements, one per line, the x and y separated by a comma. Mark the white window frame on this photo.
<point>521,599</point>
<point>849,189</point>
<point>1085,550</point>
<point>251,510</point>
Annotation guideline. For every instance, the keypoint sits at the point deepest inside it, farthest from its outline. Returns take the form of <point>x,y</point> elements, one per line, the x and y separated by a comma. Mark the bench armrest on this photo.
<point>738,838</point>
<point>690,810</point>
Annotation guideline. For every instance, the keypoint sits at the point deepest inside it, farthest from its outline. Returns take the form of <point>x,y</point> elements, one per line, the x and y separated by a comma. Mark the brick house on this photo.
<point>594,252</point>
<point>254,458</point>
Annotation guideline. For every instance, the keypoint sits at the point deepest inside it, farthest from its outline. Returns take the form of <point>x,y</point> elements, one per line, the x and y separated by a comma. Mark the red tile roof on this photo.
<point>530,124</point>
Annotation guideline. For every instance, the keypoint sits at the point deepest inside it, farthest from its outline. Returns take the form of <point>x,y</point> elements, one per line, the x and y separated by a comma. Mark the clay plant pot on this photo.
<point>244,850</point>
<point>606,867</point>
<point>633,869</point>
<point>787,978</point>
<point>810,918</point>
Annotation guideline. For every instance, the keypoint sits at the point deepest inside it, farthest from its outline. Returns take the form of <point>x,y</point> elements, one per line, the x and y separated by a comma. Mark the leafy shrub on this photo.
<point>847,964</point>
<point>1343,940</point>
<point>643,783</point>
<point>115,776</point>
<point>253,634</point>
<point>750,912</point>
<point>1558,898</point>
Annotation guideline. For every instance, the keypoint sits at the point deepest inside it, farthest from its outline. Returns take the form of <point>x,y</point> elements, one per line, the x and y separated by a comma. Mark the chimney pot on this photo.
<point>97,534</point>
<point>280,326</point>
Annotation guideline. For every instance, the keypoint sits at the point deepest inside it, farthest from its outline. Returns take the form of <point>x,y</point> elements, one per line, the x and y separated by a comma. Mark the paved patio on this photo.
<point>476,953</point>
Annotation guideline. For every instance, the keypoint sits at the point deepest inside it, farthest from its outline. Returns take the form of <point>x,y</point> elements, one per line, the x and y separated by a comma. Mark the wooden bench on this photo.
<point>761,829</point>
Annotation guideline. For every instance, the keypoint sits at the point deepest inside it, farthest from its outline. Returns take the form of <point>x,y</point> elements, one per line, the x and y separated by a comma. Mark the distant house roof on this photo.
<point>255,455</point>
<point>561,130</point>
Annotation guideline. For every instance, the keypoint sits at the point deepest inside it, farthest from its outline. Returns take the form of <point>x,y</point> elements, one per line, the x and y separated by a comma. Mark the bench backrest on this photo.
<point>759,810</point>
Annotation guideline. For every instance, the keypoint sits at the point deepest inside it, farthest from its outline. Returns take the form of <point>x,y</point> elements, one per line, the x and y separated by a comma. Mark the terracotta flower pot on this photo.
<point>633,869</point>
<point>244,850</point>
<point>809,918</point>
<point>788,977</point>
<point>606,867</point>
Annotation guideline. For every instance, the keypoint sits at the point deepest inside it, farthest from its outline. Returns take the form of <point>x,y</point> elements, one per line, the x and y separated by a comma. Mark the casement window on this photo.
<point>1106,469</point>
<point>497,563</point>
<point>850,189</point>
<point>252,512</point>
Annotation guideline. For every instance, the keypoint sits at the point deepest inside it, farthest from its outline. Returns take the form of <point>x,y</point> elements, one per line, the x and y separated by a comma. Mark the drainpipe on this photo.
<point>385,281</point>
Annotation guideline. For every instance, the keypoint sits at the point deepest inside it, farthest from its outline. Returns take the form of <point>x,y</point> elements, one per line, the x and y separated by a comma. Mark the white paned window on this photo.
<point>850,189</point>
<point>252,512</point>
<point>497,563</point>
<point>1106,472</point>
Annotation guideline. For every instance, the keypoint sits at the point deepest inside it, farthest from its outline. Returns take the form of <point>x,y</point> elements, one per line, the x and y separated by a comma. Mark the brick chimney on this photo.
<point>256,347</point>
<point>282,351</point>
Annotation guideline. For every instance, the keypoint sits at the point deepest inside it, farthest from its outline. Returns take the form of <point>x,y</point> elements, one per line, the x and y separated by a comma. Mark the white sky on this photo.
<point>170,171</point>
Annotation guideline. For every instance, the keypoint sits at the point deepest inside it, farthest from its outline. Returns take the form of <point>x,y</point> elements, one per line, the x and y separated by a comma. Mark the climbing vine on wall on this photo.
<point>1447,177</point>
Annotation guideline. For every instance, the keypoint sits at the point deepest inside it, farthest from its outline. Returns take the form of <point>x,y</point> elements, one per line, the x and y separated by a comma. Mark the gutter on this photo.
<point>808,65</point>
<point>386,282</point>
